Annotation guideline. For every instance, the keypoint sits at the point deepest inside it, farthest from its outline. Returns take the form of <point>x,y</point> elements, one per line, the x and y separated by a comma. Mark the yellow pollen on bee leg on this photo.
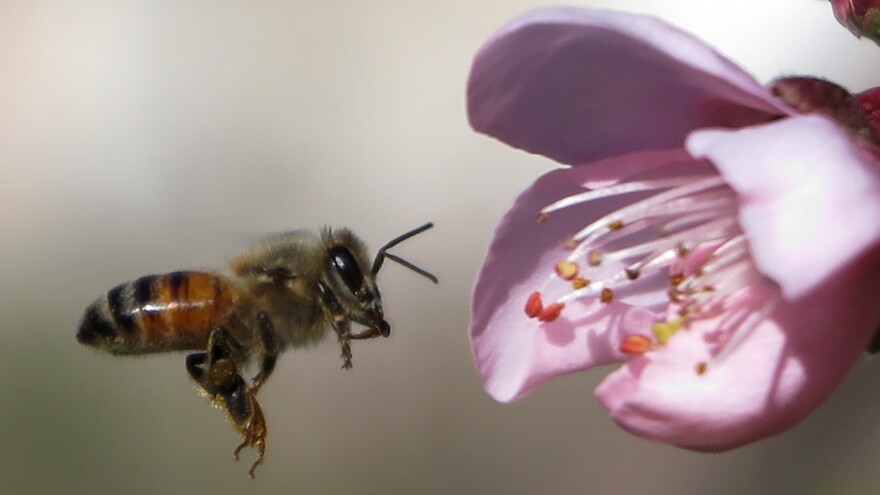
<point>566,270</point>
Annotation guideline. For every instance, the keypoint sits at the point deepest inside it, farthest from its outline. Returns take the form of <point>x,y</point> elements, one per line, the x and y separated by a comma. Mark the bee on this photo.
<point>286,292</point>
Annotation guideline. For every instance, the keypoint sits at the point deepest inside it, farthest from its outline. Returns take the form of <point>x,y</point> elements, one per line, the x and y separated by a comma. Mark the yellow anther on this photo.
<point>566,270</point>
<point>665,330</point>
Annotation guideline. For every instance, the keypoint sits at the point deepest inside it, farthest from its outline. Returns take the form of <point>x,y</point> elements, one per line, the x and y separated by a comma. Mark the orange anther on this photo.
<point>607,295</point>
<point>551,312</point>
<point>579,283</point>
<point>615,225</point>
<point>534,306</point>
<point>702,368</point>
<point>566,270</point>
<point>636,344</point>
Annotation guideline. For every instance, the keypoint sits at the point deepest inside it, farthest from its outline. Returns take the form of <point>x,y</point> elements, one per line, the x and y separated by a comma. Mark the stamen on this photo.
<point>665,330</point>
<point>534,306</point>
<point>696,218</point>
<point>745,321</point>
<point>680,243</point>
<point>636,344</point>
<point>566,270</point>
<point>690,221</point>
<point>657,259</point>
<point>618,189</point>
<point>590,290</point>
<point>551,312</point>
<point>705,289</point>
<point>639,208</point>
<point>722,228</point>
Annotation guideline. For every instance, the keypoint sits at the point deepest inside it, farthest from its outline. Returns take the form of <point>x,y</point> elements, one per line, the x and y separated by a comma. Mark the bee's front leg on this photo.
<point>216,372</point>
<point>338,321</point>
<point>343,333</point>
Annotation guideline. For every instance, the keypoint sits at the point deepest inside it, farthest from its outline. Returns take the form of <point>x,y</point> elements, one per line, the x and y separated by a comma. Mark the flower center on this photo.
<point>680,238</point>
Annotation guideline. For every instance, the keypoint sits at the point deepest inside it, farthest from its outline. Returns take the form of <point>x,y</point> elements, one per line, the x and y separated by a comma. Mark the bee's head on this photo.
<point>348,276</point>
<point>352,278</point>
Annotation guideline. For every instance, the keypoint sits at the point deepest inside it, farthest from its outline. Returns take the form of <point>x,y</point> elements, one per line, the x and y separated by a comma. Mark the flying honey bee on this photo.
<point>286,292</point>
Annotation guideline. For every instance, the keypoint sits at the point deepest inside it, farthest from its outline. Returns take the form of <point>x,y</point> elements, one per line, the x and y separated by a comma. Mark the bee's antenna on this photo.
<point>382,253</point>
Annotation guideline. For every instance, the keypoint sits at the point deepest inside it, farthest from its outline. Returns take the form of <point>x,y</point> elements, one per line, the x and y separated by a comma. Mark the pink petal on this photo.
<point>810,197</point>
<point>514,353</point>
<point>787,367</point>
<point>579,85</point>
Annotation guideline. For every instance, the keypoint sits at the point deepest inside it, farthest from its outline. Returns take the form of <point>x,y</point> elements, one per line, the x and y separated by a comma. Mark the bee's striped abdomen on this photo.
<point>174,311</point>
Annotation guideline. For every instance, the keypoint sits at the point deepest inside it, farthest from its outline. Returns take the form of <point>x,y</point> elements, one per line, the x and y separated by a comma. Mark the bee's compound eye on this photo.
<point>347,267</point>
<point>385,328</point>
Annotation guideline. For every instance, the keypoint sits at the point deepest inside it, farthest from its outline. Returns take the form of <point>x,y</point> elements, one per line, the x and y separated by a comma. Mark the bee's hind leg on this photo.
<point>216,372</point>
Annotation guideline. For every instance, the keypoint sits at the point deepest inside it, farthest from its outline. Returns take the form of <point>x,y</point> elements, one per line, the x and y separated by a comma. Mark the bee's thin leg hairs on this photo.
<point>217,374</point>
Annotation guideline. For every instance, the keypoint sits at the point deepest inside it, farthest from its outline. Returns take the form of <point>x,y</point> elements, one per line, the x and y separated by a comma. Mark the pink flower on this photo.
<point>722,245</point>
<point>861,17</point>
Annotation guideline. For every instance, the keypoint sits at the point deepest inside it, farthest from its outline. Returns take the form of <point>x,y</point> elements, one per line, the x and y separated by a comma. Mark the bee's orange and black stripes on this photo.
<point>174,311</point>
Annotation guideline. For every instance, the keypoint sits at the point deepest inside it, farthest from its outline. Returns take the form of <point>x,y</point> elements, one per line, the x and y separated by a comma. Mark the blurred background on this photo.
<point>142,137</point>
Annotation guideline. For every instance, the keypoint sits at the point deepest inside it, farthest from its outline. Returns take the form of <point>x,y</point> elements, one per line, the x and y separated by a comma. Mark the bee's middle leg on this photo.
<point>269,349</point>
<point>216,372</point>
